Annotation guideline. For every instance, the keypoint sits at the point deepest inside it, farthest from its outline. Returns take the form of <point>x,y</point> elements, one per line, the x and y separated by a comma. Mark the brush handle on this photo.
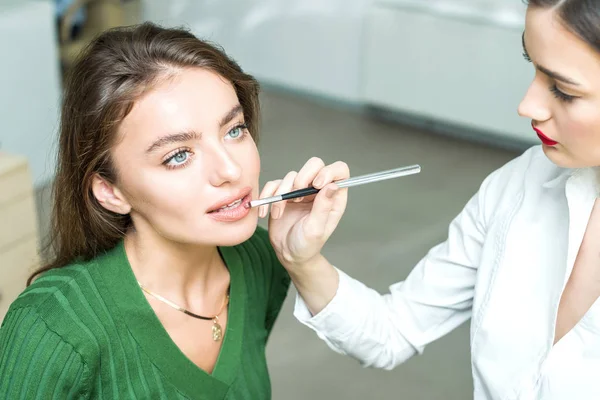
<point>299,193</point>
<point>345,183</point>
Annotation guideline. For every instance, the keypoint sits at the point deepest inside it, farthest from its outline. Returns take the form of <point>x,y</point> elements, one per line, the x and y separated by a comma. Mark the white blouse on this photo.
<point>507,258</point>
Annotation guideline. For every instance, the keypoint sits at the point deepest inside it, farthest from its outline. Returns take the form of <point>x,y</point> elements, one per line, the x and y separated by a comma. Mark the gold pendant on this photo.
<point>217,331</point>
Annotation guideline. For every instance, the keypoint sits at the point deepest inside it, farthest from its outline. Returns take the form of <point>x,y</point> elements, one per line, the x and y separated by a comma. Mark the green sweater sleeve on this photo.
<point>36,363</point>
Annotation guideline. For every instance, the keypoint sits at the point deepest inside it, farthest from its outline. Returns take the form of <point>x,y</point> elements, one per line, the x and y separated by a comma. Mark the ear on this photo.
<point>109,196</point>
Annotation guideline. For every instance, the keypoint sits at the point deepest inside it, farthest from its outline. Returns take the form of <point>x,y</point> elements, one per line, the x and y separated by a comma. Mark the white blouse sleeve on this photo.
<point>385,330</point>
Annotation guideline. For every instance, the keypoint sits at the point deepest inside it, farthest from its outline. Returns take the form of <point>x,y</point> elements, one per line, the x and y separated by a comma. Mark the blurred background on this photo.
<point>376,83</point>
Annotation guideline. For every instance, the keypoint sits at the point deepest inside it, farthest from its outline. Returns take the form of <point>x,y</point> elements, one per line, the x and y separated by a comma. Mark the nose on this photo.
<point>535,103</point>
<point>223,166</point>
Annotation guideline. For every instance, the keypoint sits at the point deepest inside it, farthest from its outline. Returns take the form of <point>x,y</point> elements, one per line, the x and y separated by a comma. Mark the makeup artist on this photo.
<point>521,259</point>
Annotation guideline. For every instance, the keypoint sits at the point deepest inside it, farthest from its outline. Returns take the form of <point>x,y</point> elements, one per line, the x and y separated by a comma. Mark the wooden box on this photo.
<point>18,228</point>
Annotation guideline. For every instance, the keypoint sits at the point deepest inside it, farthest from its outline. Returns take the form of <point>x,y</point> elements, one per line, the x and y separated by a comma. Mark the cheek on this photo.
<point>249,160</point>
<point>255,173</point>
<point>254,163</point>
<point>158,193</point>
<point>580,123</point>
<point>578,127</point>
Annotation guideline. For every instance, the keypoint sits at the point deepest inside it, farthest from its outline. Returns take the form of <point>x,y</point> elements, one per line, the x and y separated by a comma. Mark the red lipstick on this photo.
<point>545,139</point>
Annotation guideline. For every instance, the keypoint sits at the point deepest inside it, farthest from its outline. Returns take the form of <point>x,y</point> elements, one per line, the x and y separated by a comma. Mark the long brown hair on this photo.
<point>111,73</point>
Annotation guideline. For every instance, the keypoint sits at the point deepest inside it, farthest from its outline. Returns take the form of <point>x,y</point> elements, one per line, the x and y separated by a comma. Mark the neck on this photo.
<point>184,273</point>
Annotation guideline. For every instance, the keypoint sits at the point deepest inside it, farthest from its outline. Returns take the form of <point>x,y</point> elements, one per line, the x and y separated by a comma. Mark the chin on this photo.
<point>214,233</point>
<point>555,156</point>
<point>235,238</point>
<point>232,234</point>
<point>563,159</point>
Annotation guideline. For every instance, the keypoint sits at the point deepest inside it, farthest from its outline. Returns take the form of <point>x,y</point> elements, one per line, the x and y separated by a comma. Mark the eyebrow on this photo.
<point>550,73</point>
<point>173,138</point>
<point>191,135</point>
<point>231,115</point>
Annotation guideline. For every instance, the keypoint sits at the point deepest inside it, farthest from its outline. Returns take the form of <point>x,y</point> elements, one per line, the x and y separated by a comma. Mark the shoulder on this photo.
<point>55,289</point>
<point>531,166</point>
<point>50,311</point>
<point>37,352</point>
<point>66,302</point>
<point>502,192</point>
<point>527,172</point>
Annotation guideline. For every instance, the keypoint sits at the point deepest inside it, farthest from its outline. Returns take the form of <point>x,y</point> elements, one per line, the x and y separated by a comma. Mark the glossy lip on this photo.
<point>233,214</point>
<point>545,139</point>
<point>241,194</point>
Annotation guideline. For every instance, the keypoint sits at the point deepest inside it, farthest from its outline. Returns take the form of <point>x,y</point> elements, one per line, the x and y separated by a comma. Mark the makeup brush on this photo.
<point>345,183</point>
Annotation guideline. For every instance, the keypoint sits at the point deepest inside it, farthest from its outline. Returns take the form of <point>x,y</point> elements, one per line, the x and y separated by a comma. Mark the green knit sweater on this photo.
<point>87,331</point>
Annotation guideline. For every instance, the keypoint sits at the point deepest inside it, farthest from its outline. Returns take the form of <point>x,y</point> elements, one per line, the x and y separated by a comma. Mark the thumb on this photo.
<point>315,224</point>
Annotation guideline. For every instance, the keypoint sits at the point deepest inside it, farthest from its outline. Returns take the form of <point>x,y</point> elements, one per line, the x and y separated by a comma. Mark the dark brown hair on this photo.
<point>582,17</point>
<point>111,73</point>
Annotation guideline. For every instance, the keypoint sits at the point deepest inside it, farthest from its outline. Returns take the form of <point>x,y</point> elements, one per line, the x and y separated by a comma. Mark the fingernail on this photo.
<point>318,183</point>
<point>275,212</point>
<point>298,200</point>
<point>262,212</point>
<point>330,192</point>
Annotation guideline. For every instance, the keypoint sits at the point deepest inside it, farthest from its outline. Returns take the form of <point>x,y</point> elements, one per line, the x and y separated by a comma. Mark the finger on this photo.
<point>334,172</point>
<point>340,200</point>
<point>308,172</point>
<point>286,185</point>
<point>327,210</point>
<point>316,222</point>
<point>268,190</point>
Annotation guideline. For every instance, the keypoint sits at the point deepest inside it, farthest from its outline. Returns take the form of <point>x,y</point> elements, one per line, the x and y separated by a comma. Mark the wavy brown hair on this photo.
<point>115,69</point>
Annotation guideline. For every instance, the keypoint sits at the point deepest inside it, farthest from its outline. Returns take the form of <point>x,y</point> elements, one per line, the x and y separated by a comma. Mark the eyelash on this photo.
<point>243,127</point>
<point>175,154</point>
<point>560,95</point>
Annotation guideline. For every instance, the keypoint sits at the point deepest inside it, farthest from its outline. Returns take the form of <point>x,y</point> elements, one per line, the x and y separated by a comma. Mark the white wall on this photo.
<point>450,61</point>
<point>29,82</point>
<point>311,45</point>
<point>458,62</point>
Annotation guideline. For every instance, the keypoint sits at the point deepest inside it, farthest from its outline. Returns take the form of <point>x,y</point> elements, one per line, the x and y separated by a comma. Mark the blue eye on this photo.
<point>178,159</point>
<point>237,132</point>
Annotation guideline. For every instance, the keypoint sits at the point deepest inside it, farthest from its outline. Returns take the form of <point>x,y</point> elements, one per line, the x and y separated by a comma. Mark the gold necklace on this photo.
<point>217,331</point>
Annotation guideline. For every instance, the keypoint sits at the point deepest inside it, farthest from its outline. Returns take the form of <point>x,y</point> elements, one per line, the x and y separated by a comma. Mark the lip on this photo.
<point>233,214</point>
<point>545,139</point>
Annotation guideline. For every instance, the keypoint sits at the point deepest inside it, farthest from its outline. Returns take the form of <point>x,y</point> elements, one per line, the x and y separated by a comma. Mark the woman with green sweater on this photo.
<point>161,285</point>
